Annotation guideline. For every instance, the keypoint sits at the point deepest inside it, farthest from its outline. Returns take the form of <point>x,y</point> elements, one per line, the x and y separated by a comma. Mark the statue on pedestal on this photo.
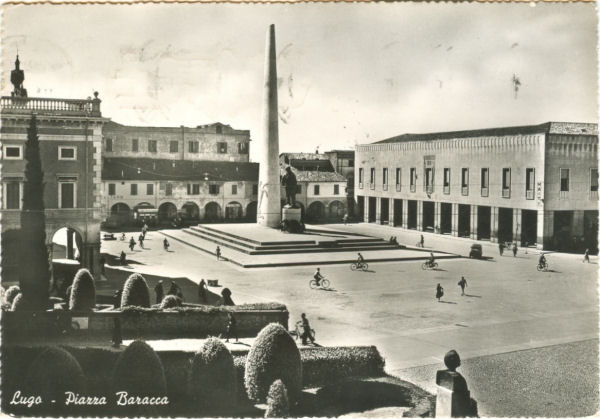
<point>291,186</point>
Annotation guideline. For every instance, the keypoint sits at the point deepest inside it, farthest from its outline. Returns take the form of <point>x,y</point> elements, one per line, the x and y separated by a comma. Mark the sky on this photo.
<point>350,73</point>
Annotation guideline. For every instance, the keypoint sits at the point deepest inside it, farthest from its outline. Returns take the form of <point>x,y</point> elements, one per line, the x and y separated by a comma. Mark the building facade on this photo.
<point>534,184</point>
<point>321,190</point>
<point>70,137</point>
<point>343,163</point>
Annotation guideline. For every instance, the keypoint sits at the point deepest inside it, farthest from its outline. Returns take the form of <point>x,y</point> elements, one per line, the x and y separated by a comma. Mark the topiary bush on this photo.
<point>139,371</point>
<point>135,292</point>
<point>170,301</point>
<point>83,293</point>
<point>274,355</point>
<point>278,405</point>
<point>11,293</point>
<point>212,380</point>
<point>52,373</point>
<point>17,302</point>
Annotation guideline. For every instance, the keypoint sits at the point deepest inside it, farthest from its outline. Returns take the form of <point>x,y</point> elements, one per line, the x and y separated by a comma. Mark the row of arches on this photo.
<point>317,211</point>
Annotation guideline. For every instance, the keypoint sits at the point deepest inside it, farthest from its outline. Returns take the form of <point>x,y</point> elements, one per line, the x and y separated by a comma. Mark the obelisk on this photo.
<point>269,193</point>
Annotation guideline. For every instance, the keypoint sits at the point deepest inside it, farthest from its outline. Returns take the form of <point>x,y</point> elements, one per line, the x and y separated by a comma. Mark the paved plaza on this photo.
<point>508,308</point>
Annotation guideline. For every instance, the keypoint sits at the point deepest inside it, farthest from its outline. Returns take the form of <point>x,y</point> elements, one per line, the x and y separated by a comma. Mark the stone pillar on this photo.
<point>494,225</point>
<point>438,217</point>
<point>391,212</point>
<point>378,210</point>
<point>455,220</point>
<point>545,230</point>
<point>453,395</point>
<point>366,212</point>
<point>474,222</point>
<point>577,225</point>
<point>70,252</point>
<point>405,213</point>
<point>420,215</point>
<point>517,226</point>
<point>269,194</point>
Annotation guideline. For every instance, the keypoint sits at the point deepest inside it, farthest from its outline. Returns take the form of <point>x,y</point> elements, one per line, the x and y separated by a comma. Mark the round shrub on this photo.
<point>11,293</point>
<point>274,355</point>
<point>52,373</point>
<point>139,372</point>
<point>83,293</point>
<point>135,292</point>
<point>278,405</point>
<point>170,301</point>
<point>212,379</point>
<point>17,303</point>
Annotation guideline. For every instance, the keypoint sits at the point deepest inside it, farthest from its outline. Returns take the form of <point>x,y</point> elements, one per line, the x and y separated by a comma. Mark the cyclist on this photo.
<point>360,261</point>
<point>166,244</point>
<point>431,259</point>
<point>542,261</point>
<point>318,277</point>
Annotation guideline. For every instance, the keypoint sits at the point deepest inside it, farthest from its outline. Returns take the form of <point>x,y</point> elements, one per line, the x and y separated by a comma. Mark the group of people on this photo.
<point>439,291</point>
<point>512,246</point>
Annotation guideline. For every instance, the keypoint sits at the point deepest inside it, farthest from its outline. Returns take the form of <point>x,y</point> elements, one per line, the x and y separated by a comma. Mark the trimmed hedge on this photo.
<point>212,381</point>
<point>50,375</point>
<point>138,371</point>
<point>83,293</point>
<point>135,292</point>
<point>132,309</point>
<point>11,293</point>
<point>17,302</point>
<point>274,355</point>
<point>278,405</point>
<point>170,301</point>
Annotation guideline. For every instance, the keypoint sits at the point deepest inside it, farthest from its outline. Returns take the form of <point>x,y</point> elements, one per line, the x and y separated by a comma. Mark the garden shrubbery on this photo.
<point>139,371</point>
<point>170,301</point>
<point>212,381</point>
<point>83,293</point>
<point>206,308</point>
<point>278,405</point>
<point>17,302</point>
<point>274,355</point>
<point>11,293</point>
<point>135,292</point>
<point>52,373</point>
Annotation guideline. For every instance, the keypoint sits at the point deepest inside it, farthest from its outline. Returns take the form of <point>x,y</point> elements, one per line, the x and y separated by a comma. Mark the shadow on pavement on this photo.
<point>473,295</point>
<point>447,302</point>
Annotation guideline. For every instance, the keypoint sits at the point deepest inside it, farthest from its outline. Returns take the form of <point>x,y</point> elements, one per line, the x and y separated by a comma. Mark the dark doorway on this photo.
<point>251,211</point>
<point>563,226</point>
<point>528,227</point>
<point>590,230</point>
<point>385,210</point>
<point>397,212</point>
<point>445,218</point>
<point>360,204</point>
<point>428,216</point>
<point>505,224</point>
<point>372,209</point>
<point>412,214</point>
<point>484,217</point>
<point>464,220</point>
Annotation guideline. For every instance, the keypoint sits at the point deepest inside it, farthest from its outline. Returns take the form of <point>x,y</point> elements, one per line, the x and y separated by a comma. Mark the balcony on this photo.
<point>372,185</point>
<point>505,192</point>
<point>465,191</point>
<point>66,107</point>
<point>398,187</point>
<point>413,188</point>
<point>429,189</point>
<point>485,192</point>
<point>529,194</point>
<point>563,195</point>
<point>447,189</point>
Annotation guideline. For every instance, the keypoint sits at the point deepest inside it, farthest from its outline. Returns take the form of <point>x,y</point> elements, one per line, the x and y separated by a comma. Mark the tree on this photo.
<point>35,267</point>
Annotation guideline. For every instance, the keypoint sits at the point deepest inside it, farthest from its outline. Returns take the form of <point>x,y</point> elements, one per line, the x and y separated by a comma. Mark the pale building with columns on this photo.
<point>535,184</point>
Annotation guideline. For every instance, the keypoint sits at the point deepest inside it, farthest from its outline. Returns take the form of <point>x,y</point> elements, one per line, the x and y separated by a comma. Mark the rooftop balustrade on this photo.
<point>67,107</point>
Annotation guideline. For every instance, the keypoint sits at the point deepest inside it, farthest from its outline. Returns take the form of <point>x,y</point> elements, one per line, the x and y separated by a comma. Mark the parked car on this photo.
<point>476,251</point>
<point>109,236</point>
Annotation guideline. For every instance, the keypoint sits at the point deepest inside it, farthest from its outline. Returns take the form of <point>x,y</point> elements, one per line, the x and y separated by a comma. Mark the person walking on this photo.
<point>160,293</point>
<point>514,249</point>
<point>439,292</point>
<point>345,219</point>
<point>218,253</point>
<point>131,244</point>
<point>202,288</point>
<point>141,240</point>
<point>231,327</point>
<point>166,244</point>
<point>306,332</point>
<point>462,283</point>
<point>586,256</point>
<point>501,247</point>
<point>117,298</point>
<point>422,241</point>
<point>123,258</point>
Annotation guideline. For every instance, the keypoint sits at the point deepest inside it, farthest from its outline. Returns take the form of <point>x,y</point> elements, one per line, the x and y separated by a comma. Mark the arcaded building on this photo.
<point>534,184</point>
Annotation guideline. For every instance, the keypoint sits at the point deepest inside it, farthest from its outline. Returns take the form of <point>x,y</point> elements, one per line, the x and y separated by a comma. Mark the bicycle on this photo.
<point>428,265</point>
<point>542,267</point>
<point>299,331</point>
<point>323,283</point>
<point>359,265</point>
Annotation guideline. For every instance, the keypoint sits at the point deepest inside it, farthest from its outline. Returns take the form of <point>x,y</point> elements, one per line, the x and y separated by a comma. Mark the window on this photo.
<point>66,194</point>
<point>133,189</point>
<point>594,180</point>
<point>67,153</point>
<point>213,189</point>
<point>243,148</point>
<point>219,129</point>
<point>196,189</point>
<point>135,145</point>
<point>112,189</point>
<point>446,180</point>
<point>398,179</point>
<point>413,179</point>
<point>149,189</point>
<point>464,181</point>
<point>233,189</point>
<point>384,178</point>
<point>12,195</point>
<point>169,189</point>
<point>429,180</point>
<point>360,177</point>
<point>193,146</point>
<point>564,180</point>
<point>173,146</point>
<point>108,144</point>
<point>529,182</point>
<point>13,152</point>
<point>298,189</point>
<point>372,178</point>
<point>221,148</point>
<point>350,162</point>
<point>506,182</point>
<point>152,146</point>
<point>255,189</point>
<point>317,189</point>
<point>485,181</point>
<point>336,189</point>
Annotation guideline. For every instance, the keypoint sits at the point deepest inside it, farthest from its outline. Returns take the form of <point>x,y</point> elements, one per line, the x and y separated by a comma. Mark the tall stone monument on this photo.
<point>269,193</point>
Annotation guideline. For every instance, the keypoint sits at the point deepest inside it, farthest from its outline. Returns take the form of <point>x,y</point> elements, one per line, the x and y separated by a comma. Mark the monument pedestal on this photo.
<point>291,214</point>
